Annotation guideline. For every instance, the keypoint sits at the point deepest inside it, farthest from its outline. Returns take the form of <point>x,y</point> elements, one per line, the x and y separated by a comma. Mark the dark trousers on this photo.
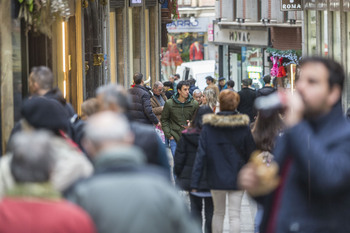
<point>196,210</point>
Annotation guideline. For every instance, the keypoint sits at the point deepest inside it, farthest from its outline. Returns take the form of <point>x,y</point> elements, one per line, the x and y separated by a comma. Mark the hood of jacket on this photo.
<point>176,100</point>
<point>226,119</point>
<point>266,90</point>
<point>119,156</point>
<point>143,88</point>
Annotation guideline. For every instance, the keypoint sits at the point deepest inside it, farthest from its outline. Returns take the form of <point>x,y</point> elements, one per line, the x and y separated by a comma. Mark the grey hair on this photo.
<point>197,91</point>
<point>33,157</point>
<point>211,97</point>
<point>43,76</point>
<point>114,94</point>
<point>157,84</point>
<point>107,127</point>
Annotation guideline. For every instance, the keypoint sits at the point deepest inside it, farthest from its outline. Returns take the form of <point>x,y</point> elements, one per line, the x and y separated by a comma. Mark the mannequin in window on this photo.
<point>196,51</point>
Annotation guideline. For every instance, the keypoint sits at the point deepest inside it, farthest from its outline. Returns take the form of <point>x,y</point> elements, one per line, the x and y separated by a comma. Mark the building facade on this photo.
<point>188,36</point>
<point>327,33</point>
<point>244,30</point>
<point>96,42</point>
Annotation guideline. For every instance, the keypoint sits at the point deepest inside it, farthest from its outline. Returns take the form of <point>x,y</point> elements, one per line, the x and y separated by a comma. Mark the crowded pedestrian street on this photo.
<point>174,116</point>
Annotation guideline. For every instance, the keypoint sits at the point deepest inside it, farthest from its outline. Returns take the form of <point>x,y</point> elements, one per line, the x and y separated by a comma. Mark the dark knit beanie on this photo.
<point>44,113</point>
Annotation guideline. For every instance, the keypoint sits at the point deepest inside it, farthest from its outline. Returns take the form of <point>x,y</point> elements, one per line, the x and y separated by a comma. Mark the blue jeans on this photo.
<point>172,146</point>
<point>166,142</point>
<point>258,218</point>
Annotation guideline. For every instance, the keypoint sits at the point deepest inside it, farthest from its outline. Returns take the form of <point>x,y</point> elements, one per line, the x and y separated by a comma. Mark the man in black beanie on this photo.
<point>41,83</point>
<point>40,113</point>
<point>44,113</point>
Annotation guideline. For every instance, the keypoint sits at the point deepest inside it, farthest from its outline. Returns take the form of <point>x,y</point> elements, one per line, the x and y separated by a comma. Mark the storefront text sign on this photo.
<point>245,37</point>
<point>188,25</point>
<point>210,32</point>
<point>291,5</point>
<point>136,2</point>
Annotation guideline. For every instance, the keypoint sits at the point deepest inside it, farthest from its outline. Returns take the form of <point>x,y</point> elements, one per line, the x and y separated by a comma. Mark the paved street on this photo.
<point>246,215</point>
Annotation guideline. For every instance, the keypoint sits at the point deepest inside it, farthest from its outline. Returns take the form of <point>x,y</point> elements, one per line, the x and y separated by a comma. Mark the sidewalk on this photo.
<point>247,222</point>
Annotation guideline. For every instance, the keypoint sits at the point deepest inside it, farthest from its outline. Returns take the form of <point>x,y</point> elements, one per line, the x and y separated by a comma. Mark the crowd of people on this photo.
<point>109,170</point>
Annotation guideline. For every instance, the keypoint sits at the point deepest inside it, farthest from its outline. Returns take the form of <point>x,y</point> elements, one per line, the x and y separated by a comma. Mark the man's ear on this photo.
<point>335,95</point>
<point>35,87</point>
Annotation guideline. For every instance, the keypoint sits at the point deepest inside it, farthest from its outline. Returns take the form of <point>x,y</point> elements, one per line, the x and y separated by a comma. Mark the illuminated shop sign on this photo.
<point>254,69</point>
<point>136,2</point>
<point>253,75</point>
<point>254,72</point>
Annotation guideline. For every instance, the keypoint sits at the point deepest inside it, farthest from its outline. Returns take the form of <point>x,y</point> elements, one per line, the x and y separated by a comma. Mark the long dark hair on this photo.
<point>266,129</point>
<point>197,120</point>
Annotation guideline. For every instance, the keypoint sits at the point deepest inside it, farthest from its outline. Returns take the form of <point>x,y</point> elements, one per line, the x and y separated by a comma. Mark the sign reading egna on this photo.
<point>291,5</point>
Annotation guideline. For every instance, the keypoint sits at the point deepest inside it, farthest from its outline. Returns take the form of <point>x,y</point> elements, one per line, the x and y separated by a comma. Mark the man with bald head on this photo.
<point>125,194</point>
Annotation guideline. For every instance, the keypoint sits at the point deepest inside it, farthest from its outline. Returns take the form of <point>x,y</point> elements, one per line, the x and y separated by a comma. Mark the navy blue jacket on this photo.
<point>184,158</point>
<point>267,90</point>
<point>192,88</point>
<point>315,194</point>
<point>222,88</point>
<point>225,145</point>
<point>141,109</point>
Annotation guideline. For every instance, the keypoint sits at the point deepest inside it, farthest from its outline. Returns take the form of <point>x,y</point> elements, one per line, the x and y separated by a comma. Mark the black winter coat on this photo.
<point>169,94</point>
<point>185,156</point>
<point>246,104</point>
<point>225,145</point>
<point>265,91</point>
<point>141,109</point>
<point>147,139</point>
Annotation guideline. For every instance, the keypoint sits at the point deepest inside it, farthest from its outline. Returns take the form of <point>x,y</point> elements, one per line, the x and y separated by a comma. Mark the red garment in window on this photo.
<point>196,51</point>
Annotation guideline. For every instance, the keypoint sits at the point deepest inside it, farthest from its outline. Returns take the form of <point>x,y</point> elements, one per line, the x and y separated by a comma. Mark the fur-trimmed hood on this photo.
<point>226,120</point>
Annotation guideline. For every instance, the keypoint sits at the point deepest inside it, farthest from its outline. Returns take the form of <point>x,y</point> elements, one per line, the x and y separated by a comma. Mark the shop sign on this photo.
<point>188,25</point>
<point>210,32</point>
<point>254,72</point>
<point>291,5</point>
<point>253,75</point>
<point>238,36</point>
<point>136,3</point>
<point>254,69</point>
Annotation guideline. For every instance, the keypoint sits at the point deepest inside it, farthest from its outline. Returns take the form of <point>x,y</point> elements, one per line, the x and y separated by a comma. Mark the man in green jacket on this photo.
<point>177,112</point>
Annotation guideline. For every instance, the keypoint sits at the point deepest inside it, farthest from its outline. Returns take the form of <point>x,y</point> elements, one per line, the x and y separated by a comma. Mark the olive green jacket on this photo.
<point>175,115</point>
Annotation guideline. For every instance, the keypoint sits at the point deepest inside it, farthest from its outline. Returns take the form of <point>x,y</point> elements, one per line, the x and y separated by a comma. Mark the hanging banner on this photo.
<point>291,5</point>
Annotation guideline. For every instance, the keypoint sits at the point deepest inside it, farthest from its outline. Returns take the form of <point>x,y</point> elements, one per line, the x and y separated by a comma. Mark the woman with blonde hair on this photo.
<point>210,99</point>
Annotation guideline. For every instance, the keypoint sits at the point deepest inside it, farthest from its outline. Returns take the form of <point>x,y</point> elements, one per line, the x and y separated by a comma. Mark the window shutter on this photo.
<point>117,3</point>
<point>151,3</point>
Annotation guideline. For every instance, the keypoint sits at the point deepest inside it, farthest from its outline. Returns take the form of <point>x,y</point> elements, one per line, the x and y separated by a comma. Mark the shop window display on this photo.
<point>182,47</point>
<point>252,66</point>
